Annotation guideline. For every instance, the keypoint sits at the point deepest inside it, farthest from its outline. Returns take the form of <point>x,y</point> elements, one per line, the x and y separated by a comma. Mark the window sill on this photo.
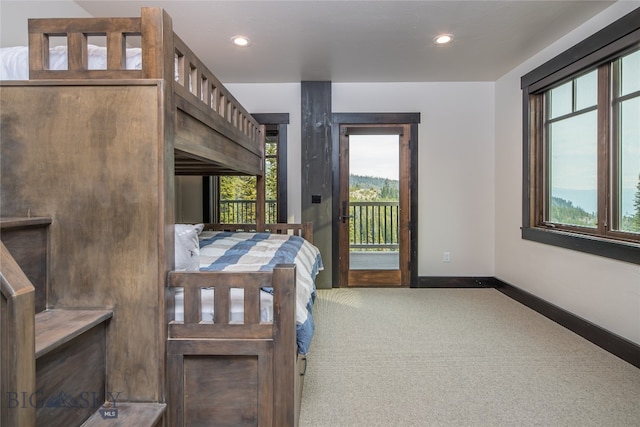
<point>618,250</point>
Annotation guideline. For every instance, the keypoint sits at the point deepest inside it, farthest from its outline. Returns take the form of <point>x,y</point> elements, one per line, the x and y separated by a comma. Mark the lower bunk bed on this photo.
<point>241,308</point>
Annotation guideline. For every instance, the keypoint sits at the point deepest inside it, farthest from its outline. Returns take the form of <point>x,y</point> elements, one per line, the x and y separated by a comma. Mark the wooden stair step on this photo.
<point>27,240</point>
<point>57,327</point>
<point>126,414</point>
<point>23,222</point>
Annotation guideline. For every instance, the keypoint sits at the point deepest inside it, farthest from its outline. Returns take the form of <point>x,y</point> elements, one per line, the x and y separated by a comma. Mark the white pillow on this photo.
<point>187,247</point>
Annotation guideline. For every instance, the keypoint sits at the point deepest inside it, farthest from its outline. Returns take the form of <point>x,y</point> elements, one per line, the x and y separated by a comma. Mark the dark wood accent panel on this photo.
<point>614,344</point>
<point>317,168</point>
<point>27,240</point>
<point>70,381</point>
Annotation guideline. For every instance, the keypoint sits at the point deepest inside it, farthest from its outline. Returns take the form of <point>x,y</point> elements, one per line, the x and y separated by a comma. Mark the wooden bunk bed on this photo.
<point>96,152</point>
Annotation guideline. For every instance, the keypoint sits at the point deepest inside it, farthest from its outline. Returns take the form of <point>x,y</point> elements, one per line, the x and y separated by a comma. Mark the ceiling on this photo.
<point>364,41</point>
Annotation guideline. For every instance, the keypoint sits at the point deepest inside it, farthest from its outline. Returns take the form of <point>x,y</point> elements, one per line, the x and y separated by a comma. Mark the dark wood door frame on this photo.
<point>412,119</point>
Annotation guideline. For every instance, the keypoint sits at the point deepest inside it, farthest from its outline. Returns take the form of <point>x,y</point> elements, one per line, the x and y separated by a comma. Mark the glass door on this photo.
<point>374,205</point>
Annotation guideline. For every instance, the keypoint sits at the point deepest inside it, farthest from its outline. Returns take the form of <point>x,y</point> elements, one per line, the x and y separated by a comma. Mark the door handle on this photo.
<point>344,217</point>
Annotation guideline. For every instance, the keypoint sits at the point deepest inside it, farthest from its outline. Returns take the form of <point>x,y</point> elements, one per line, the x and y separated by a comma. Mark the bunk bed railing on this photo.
<point>201,94</point>
<point>304,229</point>
<point>76,32</point>
<point>17,336</point>
<point>281,279</point>
<point>194,79</point>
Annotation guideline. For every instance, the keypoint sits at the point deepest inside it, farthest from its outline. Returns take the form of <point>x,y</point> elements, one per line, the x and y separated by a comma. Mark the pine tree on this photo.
<point>635,219</point>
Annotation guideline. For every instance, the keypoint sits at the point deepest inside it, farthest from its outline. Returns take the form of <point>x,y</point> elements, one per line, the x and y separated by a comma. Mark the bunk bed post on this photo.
<point>158,52</point>
<point>38,50</point>
<point>157,30</point>
<point>260,185</point>
<point>285,345</point>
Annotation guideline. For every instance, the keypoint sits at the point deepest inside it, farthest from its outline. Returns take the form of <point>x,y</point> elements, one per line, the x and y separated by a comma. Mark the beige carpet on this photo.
<point>456,357</point>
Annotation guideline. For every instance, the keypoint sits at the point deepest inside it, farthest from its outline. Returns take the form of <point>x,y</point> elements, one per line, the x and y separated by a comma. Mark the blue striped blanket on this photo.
<point>225,251</point>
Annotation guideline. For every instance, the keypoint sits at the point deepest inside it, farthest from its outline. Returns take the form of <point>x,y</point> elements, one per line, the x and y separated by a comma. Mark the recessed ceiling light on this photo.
<point>443,39</point>
<point>241,41</point>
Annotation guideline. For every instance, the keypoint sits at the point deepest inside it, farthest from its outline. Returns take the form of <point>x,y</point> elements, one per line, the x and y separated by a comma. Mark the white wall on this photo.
<point>14,16</point>
<point>600,290</point>
<point>455,167</point>
<point>279,98</point>
<point>456,170</point>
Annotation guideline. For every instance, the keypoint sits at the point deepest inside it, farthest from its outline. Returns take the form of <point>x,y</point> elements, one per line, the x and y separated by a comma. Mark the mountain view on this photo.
<point>586,199</point>
<point>373,189</point>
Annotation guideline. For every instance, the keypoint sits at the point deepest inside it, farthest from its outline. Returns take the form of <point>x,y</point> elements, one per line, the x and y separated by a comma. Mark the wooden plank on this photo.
<point>200,141</point>
<point>219,279</point>
<point>70,380</point>
<point>27,241</point>
<point>127,414</point>
<point>285,347</point>
<point>7,223</point>
<point>222,390</point>
<point>57,26</point>
<point>301,370</point>
<point>372,278</point>
<point>17,361</point>
<point>223,382</point>
<point>57,327</point>
<point>222,330</point>
<point>304,230</point>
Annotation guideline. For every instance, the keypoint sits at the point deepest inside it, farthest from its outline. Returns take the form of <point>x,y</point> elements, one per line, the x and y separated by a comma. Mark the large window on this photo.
<point>582,146</point>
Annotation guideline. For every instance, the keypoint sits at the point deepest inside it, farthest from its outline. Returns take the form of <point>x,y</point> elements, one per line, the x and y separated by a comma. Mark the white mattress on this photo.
<point>236,309</point>
<point>14,61</point>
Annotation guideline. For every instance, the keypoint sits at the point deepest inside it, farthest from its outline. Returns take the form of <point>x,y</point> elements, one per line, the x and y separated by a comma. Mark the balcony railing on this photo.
<point>374,226</point>
<point>244,212</point>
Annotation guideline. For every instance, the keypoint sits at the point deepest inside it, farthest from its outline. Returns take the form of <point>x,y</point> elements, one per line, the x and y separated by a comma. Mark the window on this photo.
<point>237,194</point>
<point>582,146</point>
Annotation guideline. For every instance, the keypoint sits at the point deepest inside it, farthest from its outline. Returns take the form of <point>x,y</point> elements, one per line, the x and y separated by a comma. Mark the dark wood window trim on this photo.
<point>612,41</point>
<point>280,122</point>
